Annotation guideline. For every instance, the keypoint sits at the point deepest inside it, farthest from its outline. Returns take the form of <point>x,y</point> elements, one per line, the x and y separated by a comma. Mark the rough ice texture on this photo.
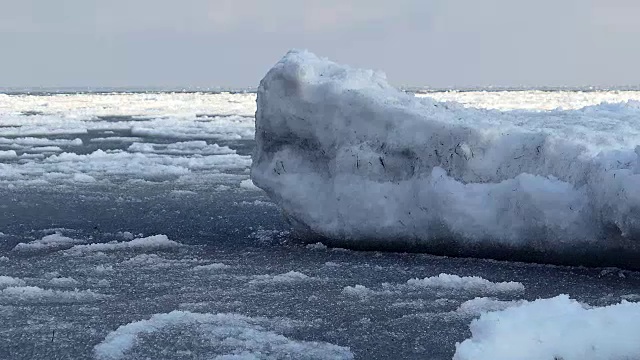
<point>352,159</point>
<point>447,281</point>
<point>8,154</point>
<point>479,305</point>
<point>362,291</point>
<point>154,242</point>
<point>50,242</point>
<point>34,294</point>
<point>211,267</point>
<point>230,336</point>
<point>6,281</point>
<point>557,328</point>
<point>286,278</point>
<point>64,282</point>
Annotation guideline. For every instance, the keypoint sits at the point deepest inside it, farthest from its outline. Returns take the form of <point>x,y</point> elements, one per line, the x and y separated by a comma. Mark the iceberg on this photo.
<point>355,162</point>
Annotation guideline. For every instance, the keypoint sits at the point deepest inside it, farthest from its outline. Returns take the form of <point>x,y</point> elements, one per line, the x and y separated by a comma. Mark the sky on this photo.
<point>233,43</point>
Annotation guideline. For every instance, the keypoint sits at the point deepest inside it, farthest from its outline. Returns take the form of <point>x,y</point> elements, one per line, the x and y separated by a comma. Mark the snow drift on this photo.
<point>351,159</point>
<point>556,328</point>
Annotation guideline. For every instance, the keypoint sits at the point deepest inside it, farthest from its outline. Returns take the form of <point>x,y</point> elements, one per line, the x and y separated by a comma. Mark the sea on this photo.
<point>130,229</point>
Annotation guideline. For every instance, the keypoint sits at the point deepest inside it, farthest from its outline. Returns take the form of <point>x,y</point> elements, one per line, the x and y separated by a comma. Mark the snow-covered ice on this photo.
<point>7,281</point>
<point>155,242</point>
<point>532,99</point>
<point>350,158</point>
<point>454,282</point>
<point>479,305</point>
<point>106,169</point>
<point>364,292</point>
<point>285,278</point>
<point>34,294</point>
<point>211,267</point>
<point>181,148</point>
<point>228,336</point>
<point>8,154</point>
<point>44,139</point>
<point>556,328</point>
<point>49,242</point>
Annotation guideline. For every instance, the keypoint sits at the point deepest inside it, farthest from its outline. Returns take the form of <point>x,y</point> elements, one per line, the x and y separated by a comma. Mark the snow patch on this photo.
<point>481,305</point>
<point>248,185</point>
<point>50,242</point>
<point>31,294</point>
<point>229,336</point>
<point>363,291</point>
<point>286,278</point>
<point>7,281</point>
<point>155,242</point>
<point>556,328</point>
<point>8,154</point>
<point>316,246</point>
<point>211,267</point>
<point>468,283</point>
<point>181,148</point>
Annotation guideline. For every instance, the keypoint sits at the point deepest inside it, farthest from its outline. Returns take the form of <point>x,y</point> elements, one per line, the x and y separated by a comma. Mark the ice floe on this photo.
<point>155,242</point>
<point>285,278</point>
<point>49,242</point>
<point>31,294</point>
<point>468,283</point>
<point>556,328</point>
<point>7,281</point>
<point>228,336</point>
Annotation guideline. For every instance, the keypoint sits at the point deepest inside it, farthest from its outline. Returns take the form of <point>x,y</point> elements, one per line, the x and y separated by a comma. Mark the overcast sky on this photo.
<point>208,43</point>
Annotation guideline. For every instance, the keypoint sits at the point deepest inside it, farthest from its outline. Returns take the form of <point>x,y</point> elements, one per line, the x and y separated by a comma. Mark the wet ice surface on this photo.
<point>195,263</point>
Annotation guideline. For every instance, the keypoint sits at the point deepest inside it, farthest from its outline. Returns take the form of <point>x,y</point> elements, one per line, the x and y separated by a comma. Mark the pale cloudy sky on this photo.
<point>208,43</point>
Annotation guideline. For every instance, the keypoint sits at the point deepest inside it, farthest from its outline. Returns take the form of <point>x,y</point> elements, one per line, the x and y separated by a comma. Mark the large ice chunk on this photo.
<point>350,158</point>
<point>556,328</point>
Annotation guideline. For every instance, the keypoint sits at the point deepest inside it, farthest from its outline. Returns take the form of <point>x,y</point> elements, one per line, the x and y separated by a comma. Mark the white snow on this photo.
<point>30,294</point>
<point>7,281</point>
<point>39,142</point>
<point>316,246</point>
<point>211,267</point>
<point>50,242</point>
<point>532,99</point>
<point>480,305</point>
<point>155,242</point>
<point>8,154</point>
<point>181,148</point>
<point>31,127</point>
<point>100,164</point>
<point>248,185</point>
<point>364,292</point>
<point>471,283</point>
<point>556,328</point>
<point>286,278</point>
<point>124,139</point>
<point>229,336</point>
<point>349,157</point>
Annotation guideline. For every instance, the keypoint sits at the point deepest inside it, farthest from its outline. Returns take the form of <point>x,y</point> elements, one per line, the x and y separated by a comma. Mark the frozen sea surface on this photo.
<point>129,229</point>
